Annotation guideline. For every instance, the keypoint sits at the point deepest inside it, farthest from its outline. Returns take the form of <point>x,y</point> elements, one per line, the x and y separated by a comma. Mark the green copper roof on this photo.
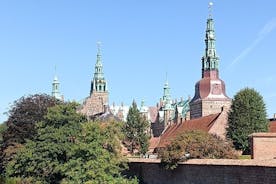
<point>210,59</point>
<point>98,83</point>
<point>55,88</point>
<point>167,96</point>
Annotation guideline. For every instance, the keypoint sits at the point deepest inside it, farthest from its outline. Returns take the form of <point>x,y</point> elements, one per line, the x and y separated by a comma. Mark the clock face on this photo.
<point>216,89</point>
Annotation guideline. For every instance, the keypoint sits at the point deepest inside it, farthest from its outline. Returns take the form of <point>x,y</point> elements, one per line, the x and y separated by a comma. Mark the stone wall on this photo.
<point>205,172</point>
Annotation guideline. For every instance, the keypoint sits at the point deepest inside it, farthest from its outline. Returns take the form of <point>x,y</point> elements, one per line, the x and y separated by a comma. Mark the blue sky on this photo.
<point>141,41</point>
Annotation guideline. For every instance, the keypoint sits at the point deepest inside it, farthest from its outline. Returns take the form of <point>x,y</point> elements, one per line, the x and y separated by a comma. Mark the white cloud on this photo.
<point>267,29</point>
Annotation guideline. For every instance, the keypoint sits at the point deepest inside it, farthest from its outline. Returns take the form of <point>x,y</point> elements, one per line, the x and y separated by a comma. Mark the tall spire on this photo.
<point>55,87</point>
<point>210,60</point>
<point>167,95</point>
<point>98,83</point>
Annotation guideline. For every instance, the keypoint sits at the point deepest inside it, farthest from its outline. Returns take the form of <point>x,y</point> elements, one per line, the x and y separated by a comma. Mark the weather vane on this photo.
<point>210,9</point>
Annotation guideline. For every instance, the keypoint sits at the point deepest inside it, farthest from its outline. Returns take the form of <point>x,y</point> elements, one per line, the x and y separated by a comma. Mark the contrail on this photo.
<point>268,28</point>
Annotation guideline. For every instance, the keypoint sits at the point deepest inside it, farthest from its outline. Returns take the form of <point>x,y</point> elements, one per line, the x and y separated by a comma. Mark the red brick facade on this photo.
<point>263,145</point>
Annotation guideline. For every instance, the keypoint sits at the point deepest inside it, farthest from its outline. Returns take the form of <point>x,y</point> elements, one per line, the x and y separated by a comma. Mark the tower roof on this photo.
<point>210,59</point>
<point>167,96</point>
<point>98,83</point>
<point>55,88</point>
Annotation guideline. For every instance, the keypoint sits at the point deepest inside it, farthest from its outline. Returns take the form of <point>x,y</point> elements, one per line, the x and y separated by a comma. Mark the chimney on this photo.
<point>274,115</point>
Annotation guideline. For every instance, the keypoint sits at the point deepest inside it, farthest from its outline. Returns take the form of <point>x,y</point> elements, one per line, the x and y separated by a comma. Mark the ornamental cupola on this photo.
<point>55,88</point>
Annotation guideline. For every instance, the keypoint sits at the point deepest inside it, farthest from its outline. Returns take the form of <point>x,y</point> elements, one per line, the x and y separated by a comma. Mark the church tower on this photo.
<point>210,96</point>
<point>97,102</point>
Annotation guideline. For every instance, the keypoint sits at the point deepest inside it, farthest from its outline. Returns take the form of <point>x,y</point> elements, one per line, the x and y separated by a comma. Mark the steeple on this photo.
<point>210,92</point>
<point>167,96</point>
<point>55,88</point>
<point>98,84</point>
<point>210,59</point>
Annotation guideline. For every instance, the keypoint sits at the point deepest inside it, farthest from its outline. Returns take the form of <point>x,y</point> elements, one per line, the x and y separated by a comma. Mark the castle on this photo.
<point>206,111</point>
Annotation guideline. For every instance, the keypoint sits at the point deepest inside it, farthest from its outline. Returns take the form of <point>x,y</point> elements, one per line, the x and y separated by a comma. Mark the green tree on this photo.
<point>67,149</point>
<point>136,131</point>
<point>3,128</point>
<point>246,116</point>
<point>195,144</point>
<point>23,115</point>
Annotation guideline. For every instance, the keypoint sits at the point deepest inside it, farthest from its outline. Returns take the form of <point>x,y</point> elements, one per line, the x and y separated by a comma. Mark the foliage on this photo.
<point>69,150</point>
<point>135,130</point>
<point>246,116</point>
<point>23,115</point>
<point>3,128</point>
<point>19,181</point>
<point>195,144</point>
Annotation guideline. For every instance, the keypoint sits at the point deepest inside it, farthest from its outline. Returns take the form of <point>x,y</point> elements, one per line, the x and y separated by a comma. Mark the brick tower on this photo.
<point>97,102</point>
<point>210,96</point>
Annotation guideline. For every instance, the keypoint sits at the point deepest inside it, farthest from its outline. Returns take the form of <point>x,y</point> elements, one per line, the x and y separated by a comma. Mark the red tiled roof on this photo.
<point>153,142</point>
<point>203,124</point>
<point>272,126</point>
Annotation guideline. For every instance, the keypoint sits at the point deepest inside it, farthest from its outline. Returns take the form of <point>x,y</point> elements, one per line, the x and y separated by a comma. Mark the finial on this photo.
<point>210,8</point>
<point>99,47</point>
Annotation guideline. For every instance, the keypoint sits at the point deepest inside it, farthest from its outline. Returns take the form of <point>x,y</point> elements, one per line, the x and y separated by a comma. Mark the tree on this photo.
<point>135,130</point>
<point>23,115</point>
<point>67,149</point>
<point>3,128</point>
<point>246,116</point>
<point>195,144</point>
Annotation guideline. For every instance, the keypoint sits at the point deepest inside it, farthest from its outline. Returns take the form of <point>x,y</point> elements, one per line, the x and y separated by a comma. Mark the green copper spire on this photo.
<point>98,83</point>
<point>55,88</point>
<point>210,60</point>
<point>167,96</point>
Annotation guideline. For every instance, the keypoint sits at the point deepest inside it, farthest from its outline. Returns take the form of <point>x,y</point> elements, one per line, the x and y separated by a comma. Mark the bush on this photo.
<point>195,144</point>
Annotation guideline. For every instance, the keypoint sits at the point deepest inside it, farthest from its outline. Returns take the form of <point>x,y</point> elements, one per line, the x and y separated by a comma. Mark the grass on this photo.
<point>244,157</point>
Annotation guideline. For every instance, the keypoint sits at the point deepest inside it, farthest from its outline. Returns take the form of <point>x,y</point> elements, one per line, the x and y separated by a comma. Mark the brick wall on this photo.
<point>94,104</point>
<point>206,172</point>
<point>263,145</point>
